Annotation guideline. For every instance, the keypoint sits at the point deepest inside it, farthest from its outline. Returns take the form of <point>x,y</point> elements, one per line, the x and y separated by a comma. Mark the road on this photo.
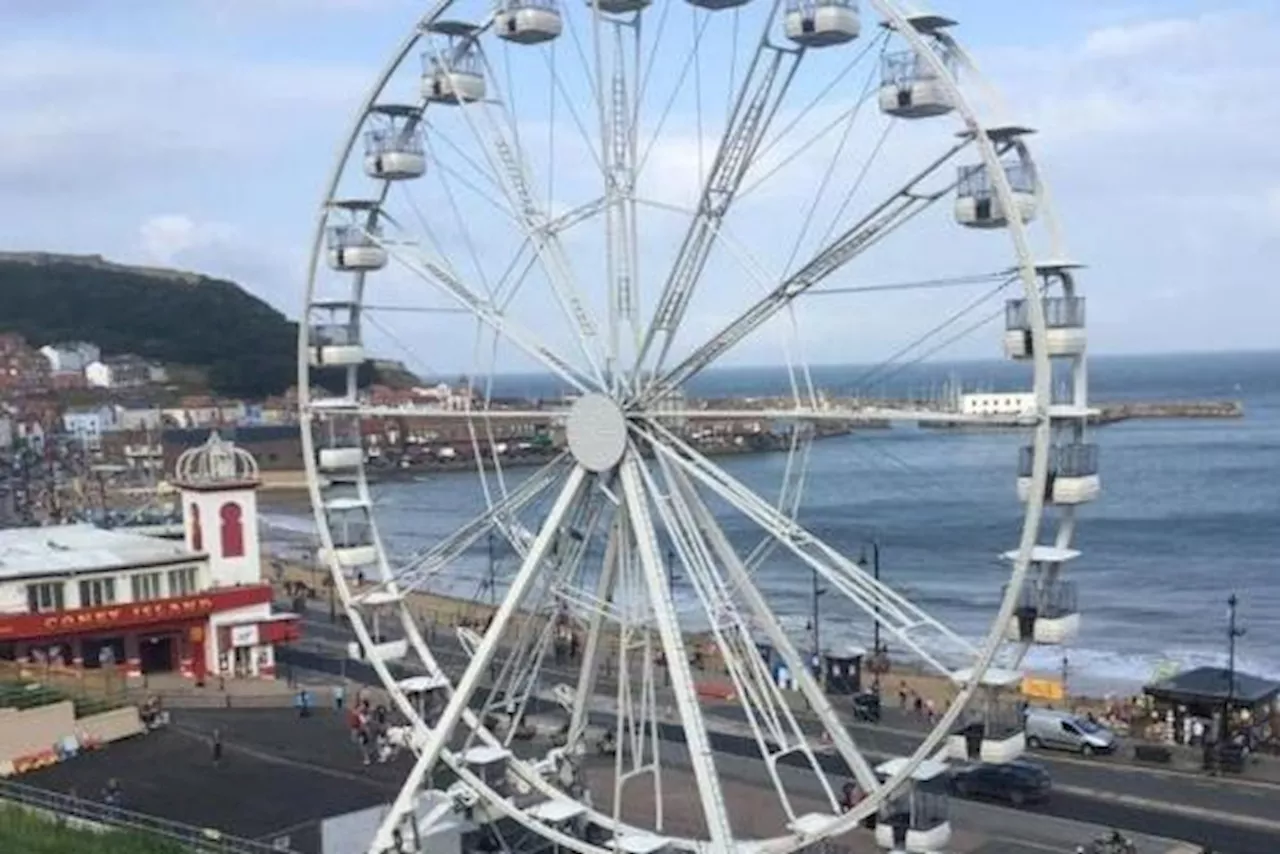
<point>1232,815</point>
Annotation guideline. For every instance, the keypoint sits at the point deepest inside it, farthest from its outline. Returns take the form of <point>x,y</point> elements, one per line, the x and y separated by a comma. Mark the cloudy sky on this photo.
<point>199,133</point>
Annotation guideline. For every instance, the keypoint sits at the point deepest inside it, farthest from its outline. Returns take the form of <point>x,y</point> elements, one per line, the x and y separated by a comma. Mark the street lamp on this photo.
<point>818,591</point>
<point>877,648</point>
<point>1233,632</point>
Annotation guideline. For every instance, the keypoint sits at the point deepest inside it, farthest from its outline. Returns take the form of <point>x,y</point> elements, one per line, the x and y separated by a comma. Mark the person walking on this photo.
<point>339,697</point>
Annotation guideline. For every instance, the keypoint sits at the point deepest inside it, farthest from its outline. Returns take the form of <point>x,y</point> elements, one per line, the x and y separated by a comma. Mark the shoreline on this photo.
<point>438,611</point>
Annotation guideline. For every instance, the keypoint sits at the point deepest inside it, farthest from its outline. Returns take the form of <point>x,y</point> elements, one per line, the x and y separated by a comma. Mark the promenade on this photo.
<point>1233,814</point>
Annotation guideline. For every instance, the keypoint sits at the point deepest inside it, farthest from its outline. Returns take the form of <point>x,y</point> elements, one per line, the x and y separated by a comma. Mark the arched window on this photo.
<point>232,530</point>
<point>197,533</point>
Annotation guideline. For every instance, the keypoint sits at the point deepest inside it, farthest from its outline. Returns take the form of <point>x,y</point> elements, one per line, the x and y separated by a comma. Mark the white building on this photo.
<point>82,596</point>
<point>88,424</point>
<point>998,403</point>
<point>70,357</point>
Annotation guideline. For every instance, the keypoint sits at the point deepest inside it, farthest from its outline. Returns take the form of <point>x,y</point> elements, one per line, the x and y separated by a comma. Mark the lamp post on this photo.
<point>818,591</point>
<point>876,646</point>
<point>1233,632</point>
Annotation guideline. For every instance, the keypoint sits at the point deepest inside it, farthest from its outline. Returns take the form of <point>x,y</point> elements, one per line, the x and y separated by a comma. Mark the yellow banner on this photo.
<point>1042,689</point>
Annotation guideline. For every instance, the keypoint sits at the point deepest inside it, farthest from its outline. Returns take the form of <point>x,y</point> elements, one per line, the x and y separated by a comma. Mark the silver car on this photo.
<point>1066,731</point>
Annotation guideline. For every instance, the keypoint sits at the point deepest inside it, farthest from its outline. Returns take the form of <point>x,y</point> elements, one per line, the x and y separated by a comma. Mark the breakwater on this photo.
<point>1113,413</point>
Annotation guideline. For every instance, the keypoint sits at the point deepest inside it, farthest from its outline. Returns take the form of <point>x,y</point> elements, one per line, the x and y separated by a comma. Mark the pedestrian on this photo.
<point>339,697</point>
<point>930,710</point>
<point>917,704</point>
<point>217,748</point>
<point>902,695</point>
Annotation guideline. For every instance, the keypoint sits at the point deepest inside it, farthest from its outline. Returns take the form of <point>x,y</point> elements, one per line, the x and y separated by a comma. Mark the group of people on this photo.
<point>922,708</point>
<point>370,728</point>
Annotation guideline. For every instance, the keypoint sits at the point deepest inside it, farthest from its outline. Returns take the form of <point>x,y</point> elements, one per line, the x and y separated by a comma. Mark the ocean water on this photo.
<point>1189,514</point>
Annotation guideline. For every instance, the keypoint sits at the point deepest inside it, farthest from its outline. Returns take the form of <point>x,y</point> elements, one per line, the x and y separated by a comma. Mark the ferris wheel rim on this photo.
<point>1041,435</point>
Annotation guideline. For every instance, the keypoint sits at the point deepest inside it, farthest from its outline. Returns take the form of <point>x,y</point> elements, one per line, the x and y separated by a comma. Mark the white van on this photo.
<point>1066,731</point>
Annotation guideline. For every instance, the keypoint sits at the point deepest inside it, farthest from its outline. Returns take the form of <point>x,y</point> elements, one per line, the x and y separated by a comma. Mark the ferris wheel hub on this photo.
<point>596,431</point>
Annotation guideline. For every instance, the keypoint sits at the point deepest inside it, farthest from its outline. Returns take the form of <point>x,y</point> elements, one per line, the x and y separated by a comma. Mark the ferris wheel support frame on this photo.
<point>649,561</point>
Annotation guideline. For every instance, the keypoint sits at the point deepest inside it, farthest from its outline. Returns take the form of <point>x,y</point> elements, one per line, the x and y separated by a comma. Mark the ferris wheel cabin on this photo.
<point>619,7</point>
<point>334,336</point>
<point>381,607</point>
<point>1073,473</point>
<point>342,450</point>
<point>716,5</point>
<point>910,87</point>
<point>393,145</point>
<point>820,23</point>
<point>977,203</point>
<point>1064,322</point>
<point>527,21</point>
<point>455,74</point>
<point>1048,609</point>
<point>916,819</point>
<point>994,731</point>
<point>352,531</point>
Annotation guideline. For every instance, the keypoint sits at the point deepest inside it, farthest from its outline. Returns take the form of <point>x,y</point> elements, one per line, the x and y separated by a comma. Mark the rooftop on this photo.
<point>73,549</point>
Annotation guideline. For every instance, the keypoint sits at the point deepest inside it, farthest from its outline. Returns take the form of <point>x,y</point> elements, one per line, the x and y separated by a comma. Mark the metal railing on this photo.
<point>60,807</point>
<point>1059,313</point>
<point>335,334</point>
<point>1073,460</point>
<point>973,181</point>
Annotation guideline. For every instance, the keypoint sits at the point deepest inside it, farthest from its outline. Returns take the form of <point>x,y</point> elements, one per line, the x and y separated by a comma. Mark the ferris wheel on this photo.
<point>618,194</point>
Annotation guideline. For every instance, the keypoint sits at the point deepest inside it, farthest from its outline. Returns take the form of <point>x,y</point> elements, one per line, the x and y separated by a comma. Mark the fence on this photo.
<point>28,685</point>
<point>70,810</point>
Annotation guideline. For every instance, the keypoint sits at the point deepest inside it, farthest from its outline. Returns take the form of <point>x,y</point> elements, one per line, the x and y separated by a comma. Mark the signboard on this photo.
<point>1042,689</point>
<point>244,635</point>
<point>131,614</point>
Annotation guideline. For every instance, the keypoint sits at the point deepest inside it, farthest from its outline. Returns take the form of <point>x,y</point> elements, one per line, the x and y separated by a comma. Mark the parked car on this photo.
<point>1065,731</point>
<point>1018,783</point>
<point>866,707</point>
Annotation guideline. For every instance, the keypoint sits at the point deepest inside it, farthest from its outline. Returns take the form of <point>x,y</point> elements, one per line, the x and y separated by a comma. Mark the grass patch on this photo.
<point>32,833</point>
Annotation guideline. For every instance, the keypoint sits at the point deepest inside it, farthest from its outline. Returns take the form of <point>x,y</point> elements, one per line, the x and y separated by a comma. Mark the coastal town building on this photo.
<point>998,403</point>
<point>70,357</point>
<point>22,369</point>
<point>81,596</point>
<point>123,371</point>
<point>86,425</point>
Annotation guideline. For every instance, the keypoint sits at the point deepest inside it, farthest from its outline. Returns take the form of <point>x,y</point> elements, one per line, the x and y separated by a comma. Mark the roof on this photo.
<point>1211,684</point>
<point>73,549</point>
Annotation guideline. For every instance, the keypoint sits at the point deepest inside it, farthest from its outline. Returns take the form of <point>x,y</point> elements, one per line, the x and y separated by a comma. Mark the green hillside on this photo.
<point>242,345</point>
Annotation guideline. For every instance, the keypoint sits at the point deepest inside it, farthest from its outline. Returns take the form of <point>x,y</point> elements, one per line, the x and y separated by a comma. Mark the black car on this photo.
<point>1018,782</point>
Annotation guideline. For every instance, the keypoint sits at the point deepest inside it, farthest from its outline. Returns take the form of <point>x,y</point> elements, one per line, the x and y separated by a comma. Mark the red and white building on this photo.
<point>81,596</point>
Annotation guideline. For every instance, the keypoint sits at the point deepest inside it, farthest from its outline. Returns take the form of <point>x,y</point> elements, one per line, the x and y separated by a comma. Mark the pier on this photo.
<point>1113,413</point>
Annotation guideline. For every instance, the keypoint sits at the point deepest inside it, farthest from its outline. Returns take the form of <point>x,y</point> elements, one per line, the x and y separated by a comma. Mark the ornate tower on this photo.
<point>219,484</point>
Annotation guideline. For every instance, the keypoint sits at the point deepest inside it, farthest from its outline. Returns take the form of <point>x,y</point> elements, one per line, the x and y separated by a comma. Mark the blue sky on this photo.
<point>198,133</point>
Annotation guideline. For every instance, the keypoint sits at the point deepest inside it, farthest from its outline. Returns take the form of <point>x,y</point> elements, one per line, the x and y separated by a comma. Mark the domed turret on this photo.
<point>216,463</point>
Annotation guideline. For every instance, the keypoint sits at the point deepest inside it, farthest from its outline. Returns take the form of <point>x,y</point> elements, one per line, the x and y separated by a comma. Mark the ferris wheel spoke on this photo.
<point>484,310</point>
<point>903,619</point>
<point>701,755</point>
<point>906,203</point>
<point>422,566</point>
<point>764,87</point>
<point>589,671</point>
<point>500,142</point>
<point>790,494</point>
<point>740,582</point>
<point>773,724</point>
<point>465,688</point>
<point>836,414</point>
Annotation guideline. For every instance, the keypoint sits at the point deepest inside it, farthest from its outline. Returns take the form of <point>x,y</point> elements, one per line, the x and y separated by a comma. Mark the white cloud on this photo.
<point>1157,135</point>
<point>168,238</point>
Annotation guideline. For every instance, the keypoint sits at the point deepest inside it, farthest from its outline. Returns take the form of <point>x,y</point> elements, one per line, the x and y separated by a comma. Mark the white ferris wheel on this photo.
<point>618,193</point>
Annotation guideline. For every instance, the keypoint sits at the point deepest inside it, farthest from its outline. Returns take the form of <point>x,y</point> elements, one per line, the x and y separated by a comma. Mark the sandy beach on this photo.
<point>437,612</point>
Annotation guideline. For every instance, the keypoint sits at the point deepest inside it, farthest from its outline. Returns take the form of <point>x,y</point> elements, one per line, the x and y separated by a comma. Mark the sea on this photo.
<point>1189,515</point>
